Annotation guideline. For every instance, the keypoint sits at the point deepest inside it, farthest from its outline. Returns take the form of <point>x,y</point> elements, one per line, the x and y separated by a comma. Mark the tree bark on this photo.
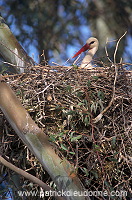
<point>61,171</point>
<point>12,51</point>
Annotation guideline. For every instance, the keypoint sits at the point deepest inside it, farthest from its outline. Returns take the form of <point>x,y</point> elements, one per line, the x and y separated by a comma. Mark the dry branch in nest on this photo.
<point>66,102</point>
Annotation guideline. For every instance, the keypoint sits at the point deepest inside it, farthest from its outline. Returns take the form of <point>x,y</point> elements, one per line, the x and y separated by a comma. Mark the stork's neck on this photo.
<point>87,59</point>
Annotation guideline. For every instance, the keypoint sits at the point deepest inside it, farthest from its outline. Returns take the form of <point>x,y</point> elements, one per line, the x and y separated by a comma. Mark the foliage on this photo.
<point>54,25</point>
<point>64,103</point>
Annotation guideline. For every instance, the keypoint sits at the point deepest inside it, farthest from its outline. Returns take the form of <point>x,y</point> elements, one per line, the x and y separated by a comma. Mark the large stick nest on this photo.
<point>66,102</point>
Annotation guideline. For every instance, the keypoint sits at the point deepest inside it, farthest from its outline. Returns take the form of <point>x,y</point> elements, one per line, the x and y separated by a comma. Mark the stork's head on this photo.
<point>91,43</point>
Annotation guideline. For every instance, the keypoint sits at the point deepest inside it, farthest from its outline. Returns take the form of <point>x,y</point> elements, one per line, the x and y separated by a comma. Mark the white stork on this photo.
<point>91,45</point>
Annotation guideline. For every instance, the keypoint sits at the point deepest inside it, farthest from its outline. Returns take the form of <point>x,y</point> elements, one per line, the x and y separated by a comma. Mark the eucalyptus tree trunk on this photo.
<point>12,51</point>
<point>60,170</point>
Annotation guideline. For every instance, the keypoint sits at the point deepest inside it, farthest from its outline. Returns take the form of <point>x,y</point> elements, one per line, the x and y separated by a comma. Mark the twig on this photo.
<point>118,45</point>
<point>96,119</point>
<point>107,52</point>
<point>28,176</point>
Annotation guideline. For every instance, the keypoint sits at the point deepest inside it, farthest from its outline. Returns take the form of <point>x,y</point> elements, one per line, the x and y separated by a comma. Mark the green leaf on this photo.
<point>18,92</point>
<point>64,147</point>
<point>88,83</point>
<point>87,120</point>
<point>107,184</point>
<point>71,135</point>
<point>95,77</point>
<point>80,94</point>
<point>85,102</point>
<point>76,138</point>
<point>52,138</point>
<point>113,141</point>
<point>73,153</point>
<point>94,107</point>
<point>71,112</point>
<point>113,159</point>
<point>100,95</point>
<point>80,104</point>
<point>94,173</point>
<point>85,171</point>
<point>61,134</point>
<point>68,88</point>
<point>101,104</point>
<point>75,66</point>
<point>97,147</point>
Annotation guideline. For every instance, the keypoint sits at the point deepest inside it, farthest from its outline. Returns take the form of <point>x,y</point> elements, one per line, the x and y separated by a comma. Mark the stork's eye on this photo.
<point>92,42</point>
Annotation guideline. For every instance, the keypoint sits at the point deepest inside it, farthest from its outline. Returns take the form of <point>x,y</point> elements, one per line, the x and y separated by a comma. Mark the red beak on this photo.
<point>84,48</point>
